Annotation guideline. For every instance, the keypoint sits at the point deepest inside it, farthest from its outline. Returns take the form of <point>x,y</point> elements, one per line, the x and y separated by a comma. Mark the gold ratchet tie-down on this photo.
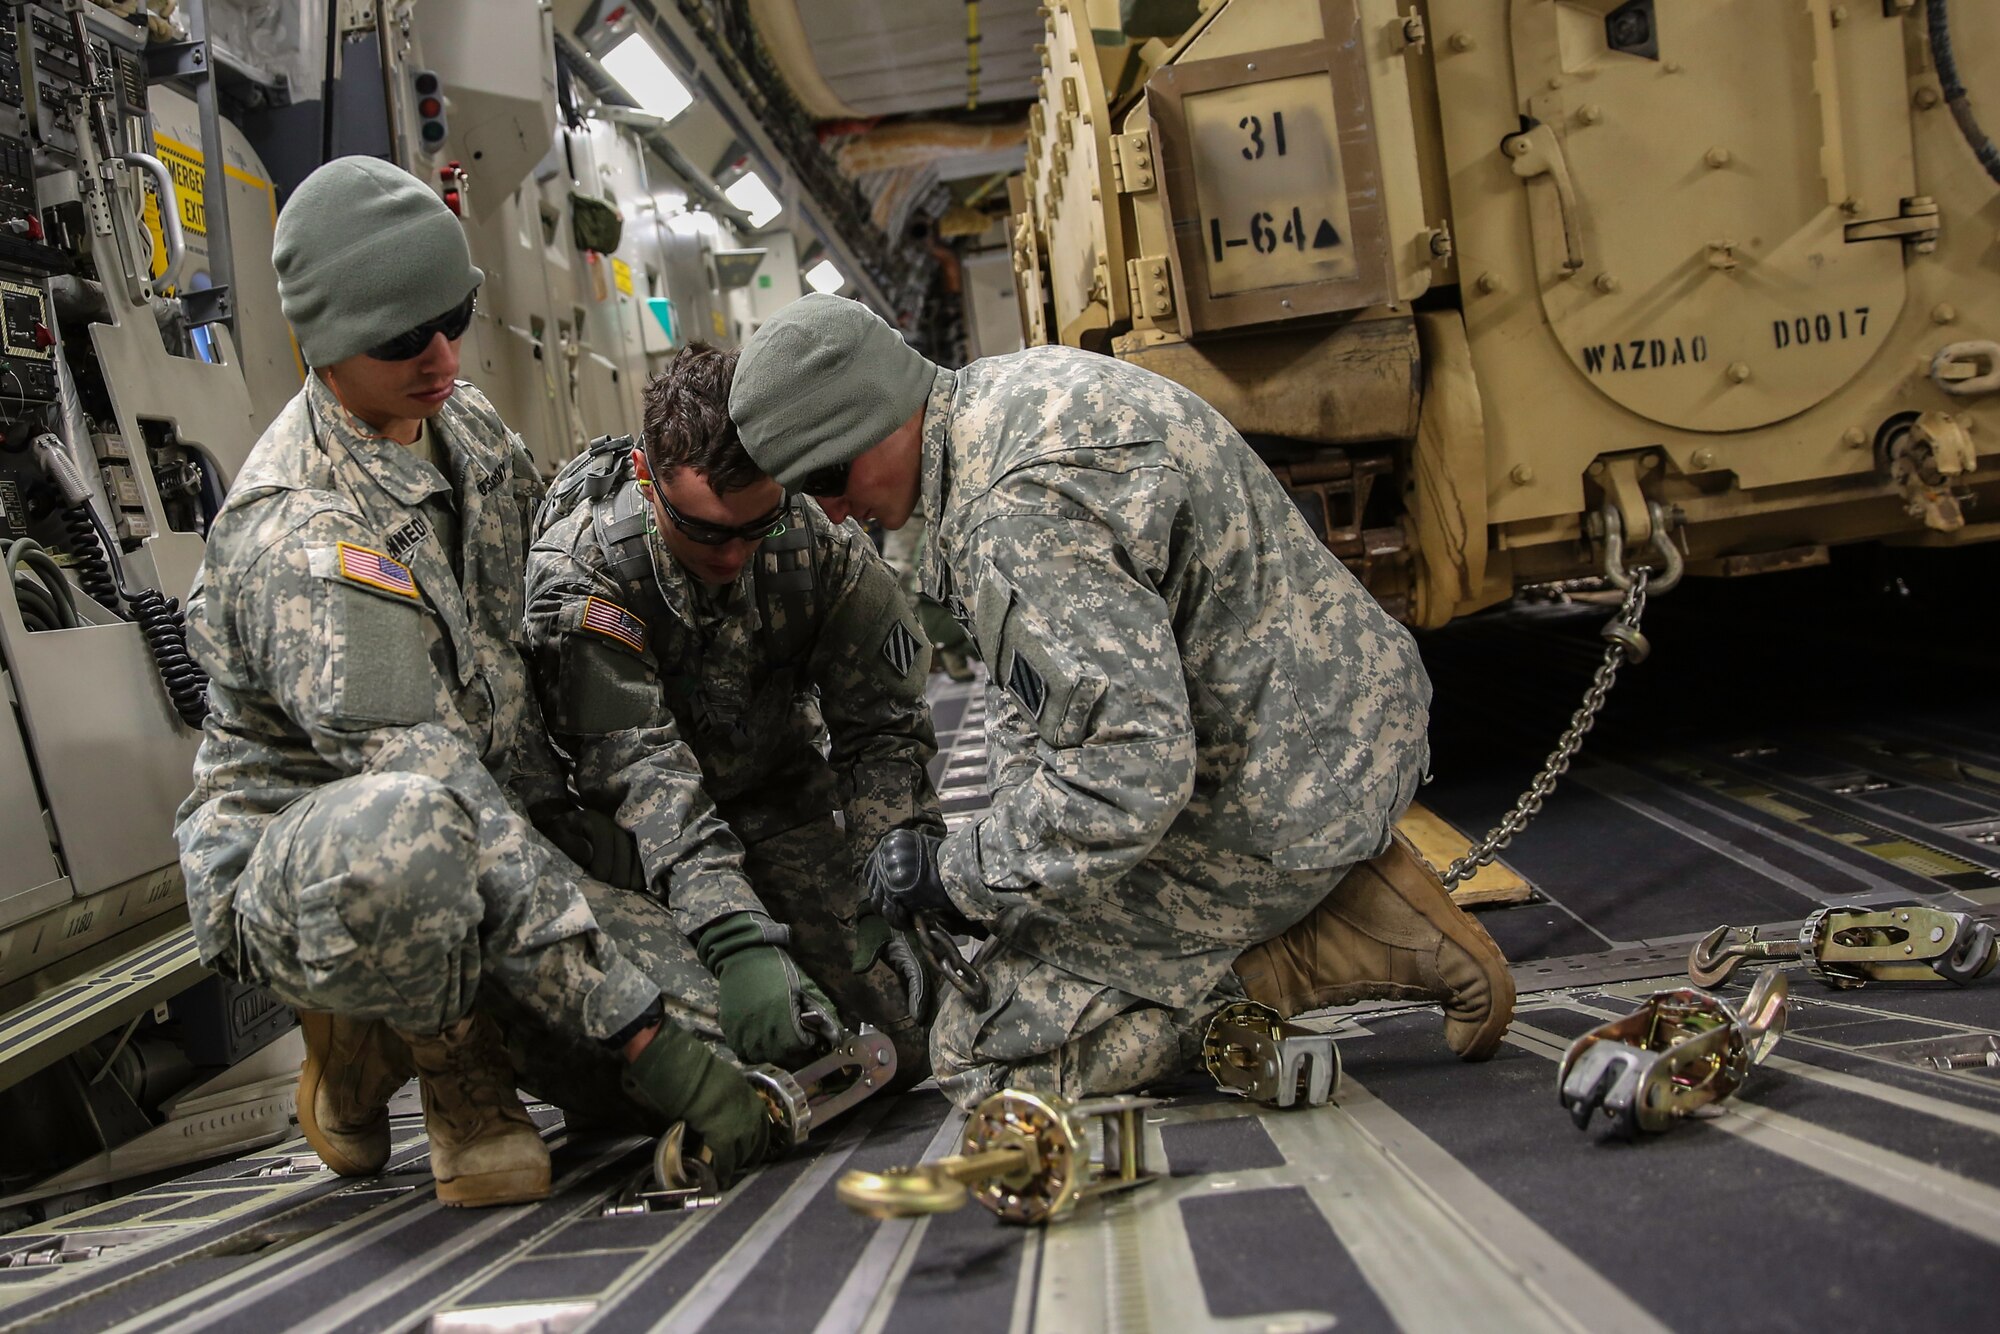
<point>1846,947</point>
<point>1027,1157</point>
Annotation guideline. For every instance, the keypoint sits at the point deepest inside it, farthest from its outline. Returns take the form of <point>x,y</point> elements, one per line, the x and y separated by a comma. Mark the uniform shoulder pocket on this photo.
<point>1056,690</point>
<point>603,689</point>
<point>378,648</point>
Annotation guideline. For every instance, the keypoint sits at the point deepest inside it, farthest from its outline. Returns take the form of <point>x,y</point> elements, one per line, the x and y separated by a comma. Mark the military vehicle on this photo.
<point>1516,292</point>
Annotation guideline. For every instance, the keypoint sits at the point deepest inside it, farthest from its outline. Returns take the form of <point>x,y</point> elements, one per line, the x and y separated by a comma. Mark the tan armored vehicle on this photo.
<point>1518,290</point>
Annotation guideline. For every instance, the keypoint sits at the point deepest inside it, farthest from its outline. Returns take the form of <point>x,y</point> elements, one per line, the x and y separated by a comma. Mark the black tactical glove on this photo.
<point>679,1079</point>
<point>902,879</point>
<point>766,997</point>
<point>597,843</point>
<point>875,940</point>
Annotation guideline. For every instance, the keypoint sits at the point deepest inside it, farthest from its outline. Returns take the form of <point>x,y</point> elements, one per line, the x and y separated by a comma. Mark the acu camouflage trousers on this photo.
<point>363,899</point>
<point>1058,1030</point>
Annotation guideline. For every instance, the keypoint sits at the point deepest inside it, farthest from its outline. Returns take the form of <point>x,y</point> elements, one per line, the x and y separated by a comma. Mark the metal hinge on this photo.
<point>1151,286</point>
<point>1917,224</point>
<point>1132,162</point>
<point>1409,32</point>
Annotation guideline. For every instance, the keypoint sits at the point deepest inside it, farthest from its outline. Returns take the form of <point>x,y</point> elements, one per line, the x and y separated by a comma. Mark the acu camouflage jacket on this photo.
<point>339,641</point>
<point>702,719</point>
<point>1180,669</point>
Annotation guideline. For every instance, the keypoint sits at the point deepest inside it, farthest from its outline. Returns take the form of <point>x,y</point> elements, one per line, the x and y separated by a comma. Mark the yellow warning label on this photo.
<point>151,217</point>
<point>721,325</point>
<point>621,273</point>
<point>186,169</point>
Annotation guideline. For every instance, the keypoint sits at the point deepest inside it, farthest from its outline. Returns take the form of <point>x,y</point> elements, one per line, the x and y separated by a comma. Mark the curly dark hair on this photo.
<point>687,421</point>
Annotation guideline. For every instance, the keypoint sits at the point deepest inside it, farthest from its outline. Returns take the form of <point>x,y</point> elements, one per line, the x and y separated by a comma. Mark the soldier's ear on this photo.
<point>640,469</point>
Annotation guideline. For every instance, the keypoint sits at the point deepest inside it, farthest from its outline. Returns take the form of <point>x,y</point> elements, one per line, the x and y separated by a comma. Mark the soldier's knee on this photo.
<point>404,833</point>
<point>374,908</point>
<point>954,1038</point>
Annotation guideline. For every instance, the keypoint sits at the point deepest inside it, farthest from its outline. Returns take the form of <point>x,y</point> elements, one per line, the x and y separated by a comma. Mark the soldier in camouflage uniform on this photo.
<point>725,670</point>
<point>356,838</point>
<point>1203,727</point>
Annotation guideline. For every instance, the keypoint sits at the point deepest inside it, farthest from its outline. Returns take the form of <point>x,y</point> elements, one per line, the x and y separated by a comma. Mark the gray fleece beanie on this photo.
<point>823,382</point>
<point>365,251</point>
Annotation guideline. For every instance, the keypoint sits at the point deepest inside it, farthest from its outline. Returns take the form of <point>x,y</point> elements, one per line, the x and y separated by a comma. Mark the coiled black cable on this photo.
<point>160,621</point>
<point>158,616</point>
<point>87,557</point>
<point>165,629</point>
<point>1954,88</point>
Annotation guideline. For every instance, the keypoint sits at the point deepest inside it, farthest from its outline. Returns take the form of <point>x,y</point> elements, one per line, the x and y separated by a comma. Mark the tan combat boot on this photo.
<point>352,1068</point>
<point>1389,931</point>
<point>484,1149</point>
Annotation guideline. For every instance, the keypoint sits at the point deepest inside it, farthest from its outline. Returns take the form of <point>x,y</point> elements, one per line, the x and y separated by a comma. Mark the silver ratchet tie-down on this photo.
<point>858,1066</point>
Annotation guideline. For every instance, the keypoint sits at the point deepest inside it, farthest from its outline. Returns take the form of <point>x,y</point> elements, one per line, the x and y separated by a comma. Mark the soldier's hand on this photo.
<point>902,878</point>
<point>874,941</point>
<point>771,1011</point>
<point>679,1079</point>
<point>597,843</point>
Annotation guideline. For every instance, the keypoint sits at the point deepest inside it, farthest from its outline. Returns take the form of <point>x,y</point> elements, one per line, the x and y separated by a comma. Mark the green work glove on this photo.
<point>680,1079</point>
<point>875,939</point>
<point>771,1011</point>
<point>597,843</point>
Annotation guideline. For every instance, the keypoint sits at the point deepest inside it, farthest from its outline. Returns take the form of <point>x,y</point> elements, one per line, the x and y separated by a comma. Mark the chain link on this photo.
<point>1626,643</point>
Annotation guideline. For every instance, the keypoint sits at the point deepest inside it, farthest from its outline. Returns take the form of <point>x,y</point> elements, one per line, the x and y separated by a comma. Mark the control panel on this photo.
<point>27,343</point>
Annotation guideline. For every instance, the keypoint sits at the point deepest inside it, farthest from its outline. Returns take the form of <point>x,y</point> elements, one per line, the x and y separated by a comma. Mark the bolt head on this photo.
<point>1589,115</point>
<point>1487,283</point>
<point>1703,458</point>
<point>1607,283</point>
<point>1855,438</point>
<point>1716,157</point>
<point>1926,98</point>
<point>1739,371</point>
<point>1522,474</point>
<point>1943,313</point>
<point>1461,41</point>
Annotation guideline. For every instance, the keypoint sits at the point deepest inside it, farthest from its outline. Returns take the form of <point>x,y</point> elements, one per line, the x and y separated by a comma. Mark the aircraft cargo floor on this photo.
<point>1815,740</point>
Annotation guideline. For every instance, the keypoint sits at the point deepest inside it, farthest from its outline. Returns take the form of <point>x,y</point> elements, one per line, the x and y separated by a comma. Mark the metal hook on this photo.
<point>943,950</point>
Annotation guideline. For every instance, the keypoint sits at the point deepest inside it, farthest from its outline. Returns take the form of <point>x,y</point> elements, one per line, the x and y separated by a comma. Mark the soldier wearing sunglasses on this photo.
<point>725,670</point>
<point>355,840</point>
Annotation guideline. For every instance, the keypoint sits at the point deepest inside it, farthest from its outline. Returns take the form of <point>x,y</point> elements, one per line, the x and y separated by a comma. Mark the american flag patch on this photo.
<point>375,569</point>
<point>614,622</point>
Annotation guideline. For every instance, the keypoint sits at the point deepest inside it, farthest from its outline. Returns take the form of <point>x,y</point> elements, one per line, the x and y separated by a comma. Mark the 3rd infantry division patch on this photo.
<point>900,647</point>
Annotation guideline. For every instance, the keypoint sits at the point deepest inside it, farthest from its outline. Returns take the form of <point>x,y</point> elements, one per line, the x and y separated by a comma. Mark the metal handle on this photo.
<point>170,214</point>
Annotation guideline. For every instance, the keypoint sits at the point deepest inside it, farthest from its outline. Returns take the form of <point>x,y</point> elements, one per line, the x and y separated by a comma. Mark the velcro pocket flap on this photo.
<point>377,648</point>
<point>1055,689</point>
<point>323,935</point>
<point>605,689</point>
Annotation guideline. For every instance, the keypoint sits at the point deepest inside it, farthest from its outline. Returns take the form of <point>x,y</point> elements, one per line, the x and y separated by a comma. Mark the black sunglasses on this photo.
<point>826,483</point>
<point>716,534</point>
<point>412,342</point>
